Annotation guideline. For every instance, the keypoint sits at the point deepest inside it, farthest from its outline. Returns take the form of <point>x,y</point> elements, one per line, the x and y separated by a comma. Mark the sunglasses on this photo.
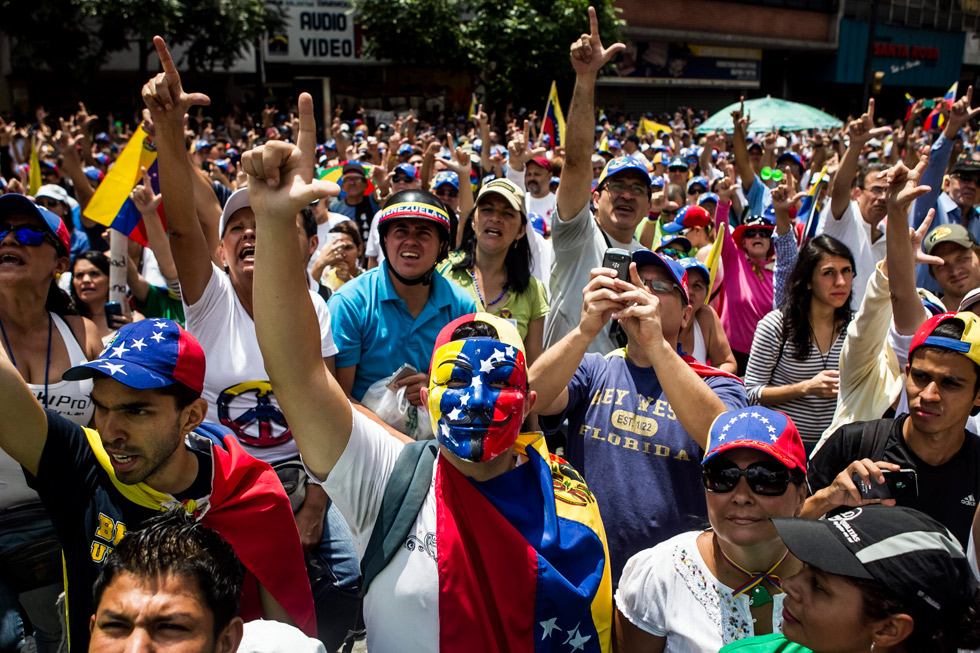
<point>440,192</point>
<point>402,179</point>
<point>25,235</point>
<point>697,190</point>
<point>766,481</point>
<point>757,233</point>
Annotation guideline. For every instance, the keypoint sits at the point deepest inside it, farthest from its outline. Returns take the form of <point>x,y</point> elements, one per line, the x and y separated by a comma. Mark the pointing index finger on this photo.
<point>871,110</point>
<point>306,139</point>
<point>166,61</point>
<point>593,23</point>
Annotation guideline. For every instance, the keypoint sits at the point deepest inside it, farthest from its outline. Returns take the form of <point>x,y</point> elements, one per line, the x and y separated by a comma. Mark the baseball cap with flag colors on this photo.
<point>146,355</point>
<point>967,344</point>
<point>755,427</point>
<point>623,164</point>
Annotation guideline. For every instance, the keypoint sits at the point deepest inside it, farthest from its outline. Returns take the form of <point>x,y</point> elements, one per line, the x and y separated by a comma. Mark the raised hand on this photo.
<point>588,54</point>
<point>83,118</point>
<point>903,185</point>
<point>725,188</point>
<point>164,96</point>
<point>143,196</point>
<point>863,129</point>
<point>280,174</point>
<point>783,195</point>
<point>459,161</point>
<point>740,120</point>
<point>960,113</point>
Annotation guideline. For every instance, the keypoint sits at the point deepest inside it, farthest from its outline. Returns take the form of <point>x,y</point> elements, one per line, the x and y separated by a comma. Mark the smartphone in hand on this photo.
<point>901,484</point>
<point>619,260</point>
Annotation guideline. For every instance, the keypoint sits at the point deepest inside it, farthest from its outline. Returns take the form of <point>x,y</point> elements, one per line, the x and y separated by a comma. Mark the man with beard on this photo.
<point>954,197</point>
<point>622,198</point>
<point>857,205</point>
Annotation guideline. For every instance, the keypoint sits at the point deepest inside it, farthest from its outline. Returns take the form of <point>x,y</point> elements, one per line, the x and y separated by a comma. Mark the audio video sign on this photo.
<point>315,31</point>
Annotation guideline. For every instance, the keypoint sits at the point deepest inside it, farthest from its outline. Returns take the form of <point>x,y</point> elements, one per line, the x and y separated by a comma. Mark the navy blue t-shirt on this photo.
<point>640,463</point>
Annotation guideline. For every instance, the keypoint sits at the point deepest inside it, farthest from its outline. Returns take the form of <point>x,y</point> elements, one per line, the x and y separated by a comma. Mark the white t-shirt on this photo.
<point>235,382</point>
<point>855,232</point>
<point>401,608</point>
<point>579,246</point>
<point>669,592</point>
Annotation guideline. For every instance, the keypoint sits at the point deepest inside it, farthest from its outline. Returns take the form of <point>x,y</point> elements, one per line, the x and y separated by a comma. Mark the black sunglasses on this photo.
<point>765,480</point>
<point>757,233</point>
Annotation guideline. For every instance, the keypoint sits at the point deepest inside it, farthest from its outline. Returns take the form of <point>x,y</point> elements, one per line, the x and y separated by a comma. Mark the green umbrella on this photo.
<point>769,113</point>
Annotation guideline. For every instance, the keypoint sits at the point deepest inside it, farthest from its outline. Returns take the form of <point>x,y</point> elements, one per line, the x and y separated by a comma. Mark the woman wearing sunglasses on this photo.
<point>701,590</point>
<point>43,337</point>
<point>876,578</point>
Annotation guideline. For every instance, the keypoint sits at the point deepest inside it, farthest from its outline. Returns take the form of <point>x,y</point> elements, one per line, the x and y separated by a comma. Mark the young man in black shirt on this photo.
<point>146,457</point>
<point>943,388</point>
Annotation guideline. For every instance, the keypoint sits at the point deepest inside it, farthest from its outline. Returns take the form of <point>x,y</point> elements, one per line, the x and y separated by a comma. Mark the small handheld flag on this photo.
<point>34,174</point>
<point>809,211</point>
<point>554,120</point>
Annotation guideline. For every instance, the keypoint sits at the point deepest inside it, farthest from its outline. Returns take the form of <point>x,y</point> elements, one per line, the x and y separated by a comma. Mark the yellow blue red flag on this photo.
<point>554,121</point>
<point>111,206</point>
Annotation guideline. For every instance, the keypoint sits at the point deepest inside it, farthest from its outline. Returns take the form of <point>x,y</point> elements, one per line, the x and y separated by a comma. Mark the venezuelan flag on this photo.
<point>510,581</point>
<point>472,111</point>
<point>111,206</point>
<point>554,120</point>
<point>909,103</point>
<point>934,121</point>
<point>950,96</point>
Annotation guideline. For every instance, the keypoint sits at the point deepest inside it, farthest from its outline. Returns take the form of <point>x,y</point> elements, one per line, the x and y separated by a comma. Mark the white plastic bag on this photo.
<point>395,410</point>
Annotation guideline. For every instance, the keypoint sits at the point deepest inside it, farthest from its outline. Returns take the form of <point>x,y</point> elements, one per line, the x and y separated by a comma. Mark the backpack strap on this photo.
<point>404,494</point>
<point>874,438</point>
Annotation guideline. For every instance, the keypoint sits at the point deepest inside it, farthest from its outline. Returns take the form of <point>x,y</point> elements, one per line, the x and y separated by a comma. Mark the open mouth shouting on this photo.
<point>11,258</point>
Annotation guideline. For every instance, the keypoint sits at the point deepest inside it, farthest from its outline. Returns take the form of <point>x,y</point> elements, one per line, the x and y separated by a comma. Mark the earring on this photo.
<point>872,646</point>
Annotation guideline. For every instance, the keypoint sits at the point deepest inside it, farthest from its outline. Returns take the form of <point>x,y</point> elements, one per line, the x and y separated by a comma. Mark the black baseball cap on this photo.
<point>908,552</point>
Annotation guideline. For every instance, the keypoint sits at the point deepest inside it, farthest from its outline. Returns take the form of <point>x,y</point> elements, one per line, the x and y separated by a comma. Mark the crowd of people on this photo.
<point>457,387</point>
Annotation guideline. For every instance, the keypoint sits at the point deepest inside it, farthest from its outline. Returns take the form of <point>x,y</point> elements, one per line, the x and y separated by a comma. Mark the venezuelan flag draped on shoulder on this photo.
<point>503,578</point>
<point>111,206</point>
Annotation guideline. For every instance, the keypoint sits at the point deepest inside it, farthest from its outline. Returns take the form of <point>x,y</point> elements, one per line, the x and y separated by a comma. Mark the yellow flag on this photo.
<point>714,259</point>
<point>34,176</point>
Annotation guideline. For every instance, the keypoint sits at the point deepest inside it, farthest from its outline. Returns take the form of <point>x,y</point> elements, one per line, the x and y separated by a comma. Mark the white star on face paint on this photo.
<point>160,325</point>
<point>497,356</point>
<point>486,366</point>
<point>157,337</point>
<point>464,398</point>
<point>137,344</point>
<point>117,352</point>
<point>549,626</point>
<point>113,368</point>
<point>454,414</point>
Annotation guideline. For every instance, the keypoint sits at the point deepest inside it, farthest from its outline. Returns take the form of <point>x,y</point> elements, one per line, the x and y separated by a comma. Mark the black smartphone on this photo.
<point>619,260</point>
<point>901,484</point>
<point>112,310</point>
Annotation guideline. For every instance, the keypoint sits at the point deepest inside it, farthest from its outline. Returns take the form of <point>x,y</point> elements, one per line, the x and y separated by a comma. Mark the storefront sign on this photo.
<point>316,31</point>
<point>678,64</point>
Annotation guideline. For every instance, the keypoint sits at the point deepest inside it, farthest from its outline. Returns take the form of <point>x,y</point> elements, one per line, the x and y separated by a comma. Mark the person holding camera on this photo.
<point>628,426</point>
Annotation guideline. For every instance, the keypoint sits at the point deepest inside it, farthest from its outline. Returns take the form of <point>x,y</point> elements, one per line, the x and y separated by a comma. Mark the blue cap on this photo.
<point>707,197</point>
<point>101,157</point>
<point>622,164</point>
<point>677,223</point>
<point>102,137</point>
<point>677,162</point>
<point>93,173</point>
<point>148,354</point>
<point>54,226</point>
<point>790,155</point>
<point>405,148</point>
<point>407,169</point>
<point>690,263</point>
<point>644,257</point>
<point>614,144</point>
<point>657,181</point>
<point>699,180</point>
<point>679,243</point>
<point>331,144</point>
<point>200,144</point>
<point>446,177</point>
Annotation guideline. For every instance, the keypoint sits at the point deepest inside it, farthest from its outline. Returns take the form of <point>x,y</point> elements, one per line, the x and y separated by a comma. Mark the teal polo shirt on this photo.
<point>374,330</point>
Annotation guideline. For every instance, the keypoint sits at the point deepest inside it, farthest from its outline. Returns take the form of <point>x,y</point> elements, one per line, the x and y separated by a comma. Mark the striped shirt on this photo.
<point>772,362</point>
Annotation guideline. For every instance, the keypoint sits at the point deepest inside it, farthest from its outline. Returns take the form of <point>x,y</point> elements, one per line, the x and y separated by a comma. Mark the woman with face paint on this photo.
<point>521,556</point>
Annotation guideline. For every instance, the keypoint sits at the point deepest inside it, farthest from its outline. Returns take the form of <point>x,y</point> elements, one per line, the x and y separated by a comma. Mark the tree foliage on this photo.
<point>514,48</point>
<point>75,37</point>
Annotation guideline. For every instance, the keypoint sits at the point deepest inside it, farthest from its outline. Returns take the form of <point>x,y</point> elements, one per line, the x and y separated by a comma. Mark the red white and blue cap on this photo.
<point>698,181</point>
<point>622,164</point>
<point>968,344</point>
<point>688,216</point>
<point>148,354</point>
<point>407,169</point>
<point>644,257</point>
<point>755,427</point>
<point>11,203</point>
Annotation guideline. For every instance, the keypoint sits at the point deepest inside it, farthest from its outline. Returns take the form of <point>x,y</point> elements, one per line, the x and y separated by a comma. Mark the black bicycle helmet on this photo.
<point>415,204</point>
